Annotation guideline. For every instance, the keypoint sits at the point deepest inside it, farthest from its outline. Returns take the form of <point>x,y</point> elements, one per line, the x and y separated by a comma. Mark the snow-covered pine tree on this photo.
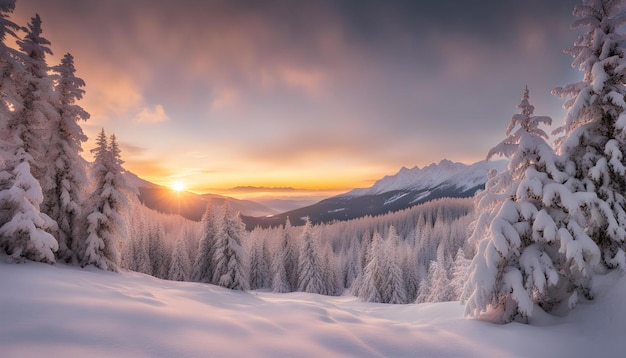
<point>138,241</point>
<point>230,258</point>
<point>330,271</point>
<point>290,254</point>
<point>24,230</point>
<point>439,286</point>
<point>280,281</point>
<point>393,288</point>
<point>159,255</point>
<point>425,287</point>
<point>10,66</point>
<point>180,265</point>
<point>371,282</point>
<point>410,273</point>
<point>105,225</point>
<point>64,197</point>
<point>259,270</point>
<point>459,274</point>
<point>25,234</point>
<point>535,252</point>
<point>203,264</point>
<point>310,270</point>
<point>351,263</point>
<point>37,114</point>
<point>593,140</point>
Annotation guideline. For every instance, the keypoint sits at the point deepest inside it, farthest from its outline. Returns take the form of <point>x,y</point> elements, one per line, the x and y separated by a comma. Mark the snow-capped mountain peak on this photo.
<point>408,187</point>
<point>446,172</point>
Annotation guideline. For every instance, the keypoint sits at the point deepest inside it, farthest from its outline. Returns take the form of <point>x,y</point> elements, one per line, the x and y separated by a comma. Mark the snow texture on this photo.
<point>107,314</point>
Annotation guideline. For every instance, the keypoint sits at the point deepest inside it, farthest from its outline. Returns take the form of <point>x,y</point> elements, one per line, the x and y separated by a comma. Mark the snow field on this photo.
<point>65,311</point>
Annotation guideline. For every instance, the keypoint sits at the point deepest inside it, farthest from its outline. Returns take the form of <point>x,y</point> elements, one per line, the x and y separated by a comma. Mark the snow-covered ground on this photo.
<point>65,311</point>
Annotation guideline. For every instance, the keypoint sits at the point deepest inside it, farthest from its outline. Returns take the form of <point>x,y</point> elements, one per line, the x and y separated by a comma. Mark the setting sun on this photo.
<point>178,186</point>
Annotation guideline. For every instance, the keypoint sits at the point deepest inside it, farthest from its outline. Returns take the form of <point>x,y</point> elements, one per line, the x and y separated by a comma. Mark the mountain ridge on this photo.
<point>406,188</point>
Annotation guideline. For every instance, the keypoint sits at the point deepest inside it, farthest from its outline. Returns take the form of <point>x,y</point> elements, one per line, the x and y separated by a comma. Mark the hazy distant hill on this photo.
<point>189,205</point>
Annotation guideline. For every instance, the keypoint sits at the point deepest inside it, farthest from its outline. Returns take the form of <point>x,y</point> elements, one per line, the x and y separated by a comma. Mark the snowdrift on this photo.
<point>65,311</point>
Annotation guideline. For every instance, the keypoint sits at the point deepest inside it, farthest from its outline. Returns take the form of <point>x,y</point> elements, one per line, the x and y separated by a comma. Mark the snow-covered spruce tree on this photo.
<point>594,131</point>
<point>350,263</point>
<point>382,279</point>
<point>283,257</point>
<point>10,65</point>
<point>439,287</point>
<point>259,270</point>
<point>330,271</point>
<point>26,232</point>
<point>425,287</point>
<point>180,265</point>
<point>280,281</point>
<point>105,225</point>
<point>64,196</point>
<point>230,258</point>
<point>371,282</point>
<point>459,274</point>
<point>310,270</point>
<point>159,254</point>
<point>139,259</point>
<point>393,288</point>
<point>535,251</point>
<point>290,254</point>
<point>37,113</point>
<point>410,273</point>
<point>203,264</point>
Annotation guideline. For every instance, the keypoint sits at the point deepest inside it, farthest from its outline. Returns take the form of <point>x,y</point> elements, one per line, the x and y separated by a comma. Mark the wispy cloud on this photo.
<point>154,114</point>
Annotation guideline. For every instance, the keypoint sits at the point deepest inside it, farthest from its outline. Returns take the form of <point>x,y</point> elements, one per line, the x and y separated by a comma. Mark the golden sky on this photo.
<point>310,95</point>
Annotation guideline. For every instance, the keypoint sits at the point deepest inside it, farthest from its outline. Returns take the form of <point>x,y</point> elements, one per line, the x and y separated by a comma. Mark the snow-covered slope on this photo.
<point>65,311</point>
<point>445,173</point>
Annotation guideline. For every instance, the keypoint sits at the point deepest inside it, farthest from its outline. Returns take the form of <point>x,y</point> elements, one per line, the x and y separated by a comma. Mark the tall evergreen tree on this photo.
<point>105,225</point>
<point>371,282</point>
<point>11,65</point>
<point>230,258</point>
<point>593,140</point>
<point>24,230</point>
<point>290,254</point>
<point>259,269</point>
<point>393,288</point>
<point>459,274</point>
<point>203,265</point>
<point>282,258</point>
<point>37,114</point>
<point>159,255</point>
<point>180,266</point>
<point>310,270</point>
<point>64,197</point>
<point>535,252</point>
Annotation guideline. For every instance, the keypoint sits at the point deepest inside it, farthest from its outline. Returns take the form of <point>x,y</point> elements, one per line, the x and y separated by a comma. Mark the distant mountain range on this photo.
<point>406,188</point>
<point>395,192</point>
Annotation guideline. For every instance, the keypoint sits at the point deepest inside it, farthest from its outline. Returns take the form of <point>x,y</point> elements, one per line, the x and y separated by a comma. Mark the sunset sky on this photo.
<point>306,94</point>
